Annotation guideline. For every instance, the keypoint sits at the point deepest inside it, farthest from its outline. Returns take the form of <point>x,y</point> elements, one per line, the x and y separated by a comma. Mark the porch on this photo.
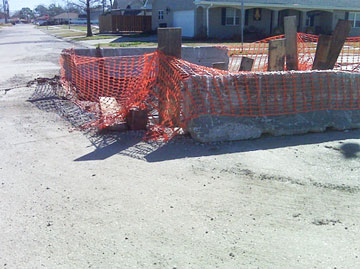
<point>224,22</point>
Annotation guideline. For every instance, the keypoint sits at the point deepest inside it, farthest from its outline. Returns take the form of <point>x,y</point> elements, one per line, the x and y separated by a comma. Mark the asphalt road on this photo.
<point>71,200</point>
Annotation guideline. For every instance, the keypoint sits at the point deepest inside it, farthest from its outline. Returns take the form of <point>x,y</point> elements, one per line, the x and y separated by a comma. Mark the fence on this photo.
<point>124,23</point>
<point>349,58</point>
<point>174,92</point>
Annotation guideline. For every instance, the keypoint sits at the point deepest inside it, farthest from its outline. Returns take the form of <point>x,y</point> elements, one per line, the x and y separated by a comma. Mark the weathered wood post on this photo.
<point>276,57</point>
<point>219,65</point>
<point>322,52</point>
<point>329,48</point>
<point>169,42</point>
<point>291,43</point>
<point>341,32</point>
<point>246,64</point>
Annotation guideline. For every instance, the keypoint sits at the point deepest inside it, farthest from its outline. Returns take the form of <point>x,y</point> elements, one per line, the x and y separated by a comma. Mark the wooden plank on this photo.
<point>219,65</point>
<point>322,52</point>
<point>246,64</point>
<point>169,41</point>
<point>338,39</point>
<point>276,57</point>
<point>291,43</point>
<point>137,119</point>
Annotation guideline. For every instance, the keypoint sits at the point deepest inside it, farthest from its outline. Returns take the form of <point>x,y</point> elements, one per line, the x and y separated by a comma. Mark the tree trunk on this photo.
<point>88,22</point>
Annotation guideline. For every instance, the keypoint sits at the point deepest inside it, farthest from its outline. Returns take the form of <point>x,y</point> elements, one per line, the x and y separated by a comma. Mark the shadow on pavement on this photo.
<point>190,149</point>
<point>131,143</point>
<point>350,150</point>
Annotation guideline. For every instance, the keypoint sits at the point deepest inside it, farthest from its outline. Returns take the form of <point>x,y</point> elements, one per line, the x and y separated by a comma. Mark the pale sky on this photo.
<point>18,4</point>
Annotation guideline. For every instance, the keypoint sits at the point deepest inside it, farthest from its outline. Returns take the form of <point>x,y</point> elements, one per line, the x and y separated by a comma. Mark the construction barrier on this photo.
<point>173,92</point>
<point>349,58</point>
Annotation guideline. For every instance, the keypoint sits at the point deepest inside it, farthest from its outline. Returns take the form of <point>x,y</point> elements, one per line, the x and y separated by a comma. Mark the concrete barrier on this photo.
<point>204,56</point>
<point>312,102</point>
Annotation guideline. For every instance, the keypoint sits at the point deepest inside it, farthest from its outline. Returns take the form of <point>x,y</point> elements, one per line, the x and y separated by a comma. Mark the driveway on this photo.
<point>72,200</point>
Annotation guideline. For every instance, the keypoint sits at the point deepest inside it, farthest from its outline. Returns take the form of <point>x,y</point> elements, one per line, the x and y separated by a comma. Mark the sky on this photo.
<point>18,4</point>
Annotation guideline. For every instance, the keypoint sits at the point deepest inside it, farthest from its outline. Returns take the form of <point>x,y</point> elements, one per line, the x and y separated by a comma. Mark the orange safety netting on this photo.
<point>349,58</point>
<point>173,91</point>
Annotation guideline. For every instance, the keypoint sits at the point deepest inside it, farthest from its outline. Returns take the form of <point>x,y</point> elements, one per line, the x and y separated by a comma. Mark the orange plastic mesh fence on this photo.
<point>92,82</point>
<point>349,58</point>
<point>174,92</point>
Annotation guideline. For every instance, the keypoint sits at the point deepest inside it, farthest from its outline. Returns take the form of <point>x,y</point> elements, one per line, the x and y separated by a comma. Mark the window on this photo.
<point>161,15</point>
<point>355,18</point>
<point>232,16</point>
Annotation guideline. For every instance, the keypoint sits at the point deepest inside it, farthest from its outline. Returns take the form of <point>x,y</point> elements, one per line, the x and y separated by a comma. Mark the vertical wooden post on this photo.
<point>291,43</point>
<point>169,41</point>
<point>246,64</point>
<point>329,47</point>
<point>341,32</point>
<point>322,52</point>
<point>219,65</point>
<point>276,57</point>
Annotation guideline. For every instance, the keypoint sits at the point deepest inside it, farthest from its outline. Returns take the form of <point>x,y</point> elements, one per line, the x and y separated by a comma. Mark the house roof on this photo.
<point>148,4</point>
<point>294,4</point>
<point>123,4</point>
<point>66,16</point>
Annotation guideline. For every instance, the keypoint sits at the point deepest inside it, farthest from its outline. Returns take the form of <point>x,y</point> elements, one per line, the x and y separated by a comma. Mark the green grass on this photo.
<point>76,27</point>
<point>128,44</point>
<point>71,34</point>
<point>95,37</point>
<point>5,25</point>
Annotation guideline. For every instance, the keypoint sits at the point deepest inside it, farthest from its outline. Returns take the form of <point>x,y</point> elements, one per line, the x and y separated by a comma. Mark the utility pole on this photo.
<point>68,15</point>
<point>6,10</point>
<point>242,24</point>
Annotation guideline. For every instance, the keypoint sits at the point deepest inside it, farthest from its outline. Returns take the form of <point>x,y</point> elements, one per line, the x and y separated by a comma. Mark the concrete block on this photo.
<point>332,97</point>
<point>204,56</point>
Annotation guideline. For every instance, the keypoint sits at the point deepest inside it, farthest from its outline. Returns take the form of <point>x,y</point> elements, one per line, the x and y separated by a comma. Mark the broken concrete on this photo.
<point>262,106</point>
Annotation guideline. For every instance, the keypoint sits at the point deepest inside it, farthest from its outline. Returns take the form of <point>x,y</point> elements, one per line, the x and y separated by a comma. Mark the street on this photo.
<point>71,200</point>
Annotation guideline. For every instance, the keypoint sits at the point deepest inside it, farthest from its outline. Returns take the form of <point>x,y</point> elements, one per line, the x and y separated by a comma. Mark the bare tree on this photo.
<point>86,5</point>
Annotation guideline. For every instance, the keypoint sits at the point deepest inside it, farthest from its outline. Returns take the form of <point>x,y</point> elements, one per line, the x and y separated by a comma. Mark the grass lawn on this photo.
<point>128,44</point>
<point>75,27</point>
<point>5,25</point>
<point>95,37</point>
<point>70,34</point>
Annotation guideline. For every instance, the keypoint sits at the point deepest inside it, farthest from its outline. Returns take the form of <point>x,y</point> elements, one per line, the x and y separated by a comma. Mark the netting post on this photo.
<point>322,52</point>
<point>291,43</point>
<point>246,64</point>
<point>276,60</point>
<point>169,41</point>
<point>341,32</point>
<point>329,47</point>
